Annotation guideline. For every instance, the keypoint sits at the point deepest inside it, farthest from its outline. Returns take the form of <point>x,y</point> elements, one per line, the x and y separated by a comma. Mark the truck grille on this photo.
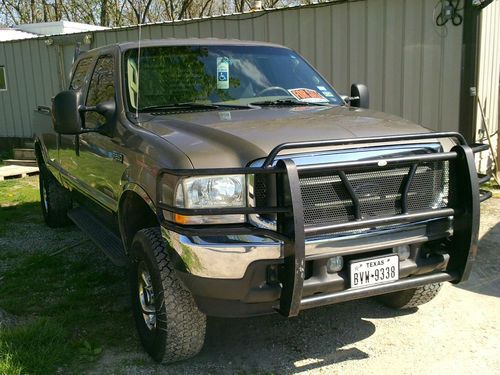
<point>326,199</point>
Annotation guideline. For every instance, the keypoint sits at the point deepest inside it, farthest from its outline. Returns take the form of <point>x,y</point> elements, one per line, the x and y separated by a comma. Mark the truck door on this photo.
<point>100,159</point>
<point>67,144</point>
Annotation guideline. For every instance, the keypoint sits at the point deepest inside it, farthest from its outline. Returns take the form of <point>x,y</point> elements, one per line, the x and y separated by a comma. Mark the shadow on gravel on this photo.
<point>485,276</point>
<point>273,344</point>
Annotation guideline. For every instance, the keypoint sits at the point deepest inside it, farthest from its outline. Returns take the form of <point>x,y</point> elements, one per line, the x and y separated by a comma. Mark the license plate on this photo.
<point>374,271</point>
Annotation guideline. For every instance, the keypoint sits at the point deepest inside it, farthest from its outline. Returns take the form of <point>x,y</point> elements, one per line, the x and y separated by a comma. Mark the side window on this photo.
<point>101,89</point>
<point>3,80</point>
<point>78,79</point>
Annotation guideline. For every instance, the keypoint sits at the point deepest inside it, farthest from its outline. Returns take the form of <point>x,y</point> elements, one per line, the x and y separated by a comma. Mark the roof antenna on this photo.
<point>138,63</point>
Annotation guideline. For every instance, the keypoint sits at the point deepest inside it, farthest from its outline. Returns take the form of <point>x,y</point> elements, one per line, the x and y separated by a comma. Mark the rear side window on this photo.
<point>101,89</point>
<point>78,79</point>
<point>3,80</point>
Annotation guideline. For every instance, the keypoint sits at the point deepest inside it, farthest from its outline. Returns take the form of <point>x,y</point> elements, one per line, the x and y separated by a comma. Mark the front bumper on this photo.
<point>245,270</point>
<point>231,276</point>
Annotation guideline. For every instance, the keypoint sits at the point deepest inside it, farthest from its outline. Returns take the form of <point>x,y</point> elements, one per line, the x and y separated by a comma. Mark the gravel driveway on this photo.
<point>458,332</point>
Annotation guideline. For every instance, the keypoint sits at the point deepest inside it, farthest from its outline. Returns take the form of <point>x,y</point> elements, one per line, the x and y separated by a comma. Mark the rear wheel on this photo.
<point>407,299</point>
<point>55,200</point>
<point>170,326</point>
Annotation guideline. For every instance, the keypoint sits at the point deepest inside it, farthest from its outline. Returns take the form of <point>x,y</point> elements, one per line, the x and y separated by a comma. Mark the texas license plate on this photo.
<point>374,271</point>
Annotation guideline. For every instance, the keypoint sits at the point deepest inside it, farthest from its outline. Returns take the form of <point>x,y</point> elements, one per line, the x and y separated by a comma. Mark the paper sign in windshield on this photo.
<point>222,73</point>
<point>308,95</point>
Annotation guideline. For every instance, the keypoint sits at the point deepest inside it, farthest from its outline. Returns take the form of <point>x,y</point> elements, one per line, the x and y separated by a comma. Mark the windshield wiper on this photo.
<point>191,105</point>
<point>287,102</point>
<point>174,106</point>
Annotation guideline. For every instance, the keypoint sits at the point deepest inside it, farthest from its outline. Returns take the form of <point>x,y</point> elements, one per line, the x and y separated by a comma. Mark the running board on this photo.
<point>100,235</point>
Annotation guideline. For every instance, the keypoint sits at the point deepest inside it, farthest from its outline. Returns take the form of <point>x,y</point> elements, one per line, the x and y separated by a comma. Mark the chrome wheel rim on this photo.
<point>146,296</point>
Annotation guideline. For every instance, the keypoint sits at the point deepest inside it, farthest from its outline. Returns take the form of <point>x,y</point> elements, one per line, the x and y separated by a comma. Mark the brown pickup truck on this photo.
<point>233,180</point>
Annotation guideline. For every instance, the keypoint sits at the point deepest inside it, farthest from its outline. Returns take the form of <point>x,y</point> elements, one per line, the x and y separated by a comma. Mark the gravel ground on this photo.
<point>458,332</point>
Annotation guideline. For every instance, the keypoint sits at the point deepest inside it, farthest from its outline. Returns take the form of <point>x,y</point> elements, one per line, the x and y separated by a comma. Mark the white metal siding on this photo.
<point>392,45</point>
<point>489,78</point>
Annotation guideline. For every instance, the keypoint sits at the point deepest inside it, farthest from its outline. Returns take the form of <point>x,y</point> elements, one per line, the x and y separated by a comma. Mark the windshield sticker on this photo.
<point>225,116</point>
<point>222,73</point>
<point>308,95</point>
<point>325,92</point>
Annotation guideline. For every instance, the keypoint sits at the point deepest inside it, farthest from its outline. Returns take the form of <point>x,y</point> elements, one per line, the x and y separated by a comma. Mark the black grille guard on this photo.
<point>464,200</point>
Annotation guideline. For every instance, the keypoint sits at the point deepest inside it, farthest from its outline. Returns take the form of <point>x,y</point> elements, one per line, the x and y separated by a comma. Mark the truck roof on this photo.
<point>188,42</point>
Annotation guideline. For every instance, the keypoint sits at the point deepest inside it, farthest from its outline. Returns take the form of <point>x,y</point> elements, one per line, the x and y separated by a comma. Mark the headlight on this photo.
<point>211,192</point>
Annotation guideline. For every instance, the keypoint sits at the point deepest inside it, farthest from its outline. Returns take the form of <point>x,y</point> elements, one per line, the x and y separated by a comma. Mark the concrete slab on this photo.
<point>16,171</point>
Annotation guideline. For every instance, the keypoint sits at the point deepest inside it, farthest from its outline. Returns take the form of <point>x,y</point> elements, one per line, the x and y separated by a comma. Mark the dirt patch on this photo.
<point>458,332</point>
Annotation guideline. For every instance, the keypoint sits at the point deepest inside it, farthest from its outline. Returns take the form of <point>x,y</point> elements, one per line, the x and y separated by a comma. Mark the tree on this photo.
<point>114,13</point>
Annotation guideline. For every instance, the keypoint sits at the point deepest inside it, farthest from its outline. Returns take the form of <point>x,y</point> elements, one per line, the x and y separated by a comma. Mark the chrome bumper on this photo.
<point>228,257</point>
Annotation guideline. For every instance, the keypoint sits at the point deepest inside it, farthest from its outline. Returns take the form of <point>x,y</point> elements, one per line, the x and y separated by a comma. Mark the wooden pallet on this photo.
<point>16,171</point>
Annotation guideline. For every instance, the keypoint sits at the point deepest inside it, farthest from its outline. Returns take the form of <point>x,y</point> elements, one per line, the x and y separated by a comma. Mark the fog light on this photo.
<point>335,264</point>
<point>403,251</point>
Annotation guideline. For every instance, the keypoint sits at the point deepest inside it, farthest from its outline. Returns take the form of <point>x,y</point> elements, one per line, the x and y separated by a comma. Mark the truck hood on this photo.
<point>222,139</point>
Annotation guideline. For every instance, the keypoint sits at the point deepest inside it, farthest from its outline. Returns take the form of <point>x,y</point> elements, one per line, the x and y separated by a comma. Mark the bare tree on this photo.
<point>120,12</point>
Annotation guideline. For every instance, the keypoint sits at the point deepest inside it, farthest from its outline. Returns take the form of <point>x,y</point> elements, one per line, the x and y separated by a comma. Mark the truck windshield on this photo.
<point>224,75</point>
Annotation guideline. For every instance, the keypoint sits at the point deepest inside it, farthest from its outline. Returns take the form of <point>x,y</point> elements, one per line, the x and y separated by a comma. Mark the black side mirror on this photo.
<point>66,116</point>
<point>360,96</point>
<point>106,109</point>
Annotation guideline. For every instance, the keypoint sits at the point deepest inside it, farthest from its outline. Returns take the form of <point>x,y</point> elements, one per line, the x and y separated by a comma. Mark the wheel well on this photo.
<point>134,214</point>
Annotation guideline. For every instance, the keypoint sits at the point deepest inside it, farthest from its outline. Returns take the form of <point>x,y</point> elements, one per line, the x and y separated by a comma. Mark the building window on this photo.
<point>3,80</point>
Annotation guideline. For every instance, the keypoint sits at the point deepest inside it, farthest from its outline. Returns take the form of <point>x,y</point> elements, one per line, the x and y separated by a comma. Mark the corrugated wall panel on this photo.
<point>430,76</point>
<point>489,67</point>
<point>276,27</point>
<point>357,42</point>
<point>307,43</point>
<point>488,89</point>
<point>393,56</point>
<point>292,29</point>
<point>375,52</point>
<point>323,46</point>
<point>5,113</point>
<point>16,89</point>
<point>411,67</point>
<point>412,59</point>
<point>7,128</point>
<point>450,79</point>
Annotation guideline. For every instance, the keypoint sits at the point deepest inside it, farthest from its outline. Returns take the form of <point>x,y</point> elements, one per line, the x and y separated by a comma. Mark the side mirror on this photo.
<point>360,96</point>
<point>66,116</point>
<point>107,109</point>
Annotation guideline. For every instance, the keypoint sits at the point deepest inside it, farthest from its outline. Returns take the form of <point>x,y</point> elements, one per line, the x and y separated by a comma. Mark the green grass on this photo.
<point>71,301</point>
<point>19,201</point>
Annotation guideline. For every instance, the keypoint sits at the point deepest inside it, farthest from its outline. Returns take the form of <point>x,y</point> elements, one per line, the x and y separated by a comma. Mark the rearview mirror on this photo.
<point>66,117</point>
<point>360,96</point>
<point>106,109</point>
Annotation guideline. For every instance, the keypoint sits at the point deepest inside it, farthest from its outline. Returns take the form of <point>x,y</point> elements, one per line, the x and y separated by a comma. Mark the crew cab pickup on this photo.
<point>233,180</point>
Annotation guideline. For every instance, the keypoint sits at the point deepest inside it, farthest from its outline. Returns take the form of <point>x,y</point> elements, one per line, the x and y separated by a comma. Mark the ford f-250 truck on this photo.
<point>233,180</point>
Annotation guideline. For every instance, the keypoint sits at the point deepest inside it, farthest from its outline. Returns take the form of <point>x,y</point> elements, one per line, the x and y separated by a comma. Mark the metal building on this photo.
<point>413,68</point>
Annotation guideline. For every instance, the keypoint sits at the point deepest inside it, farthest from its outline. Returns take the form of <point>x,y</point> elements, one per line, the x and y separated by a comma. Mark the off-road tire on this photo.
<point>180,327</point>
<point>407,299</point>
<point>55,200</point>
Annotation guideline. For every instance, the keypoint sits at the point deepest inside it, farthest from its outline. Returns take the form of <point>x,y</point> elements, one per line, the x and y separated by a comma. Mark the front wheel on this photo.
<point>170,326</point>
<point>407,299</point>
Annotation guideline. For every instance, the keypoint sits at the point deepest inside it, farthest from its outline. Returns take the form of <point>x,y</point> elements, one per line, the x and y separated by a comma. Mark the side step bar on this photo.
<point>100,235</point>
